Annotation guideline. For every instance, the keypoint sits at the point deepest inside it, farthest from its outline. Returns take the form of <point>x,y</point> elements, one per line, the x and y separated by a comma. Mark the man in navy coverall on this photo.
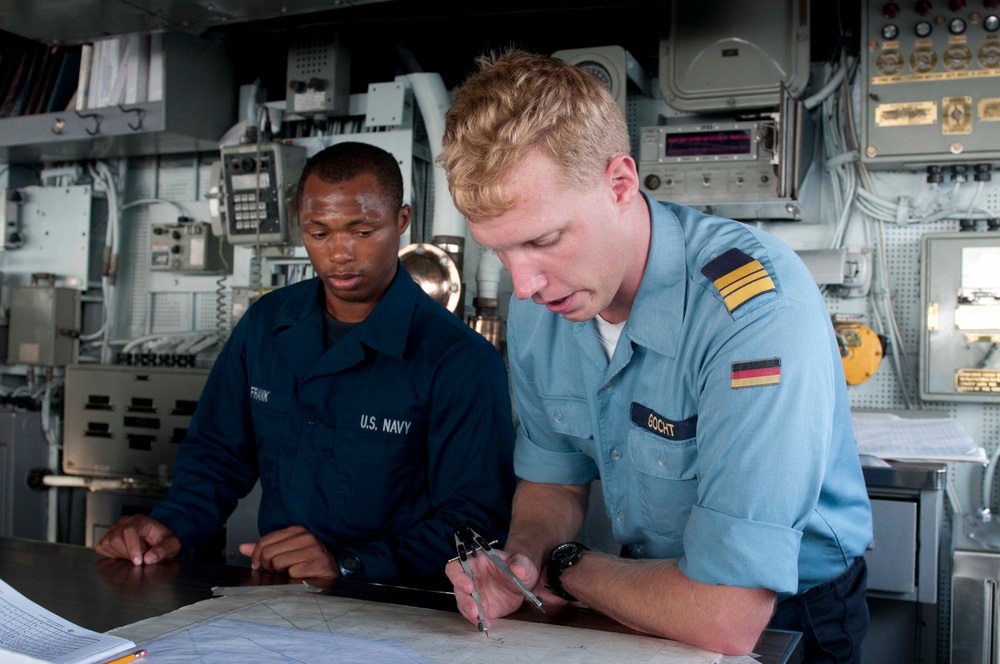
<point>375,419</point>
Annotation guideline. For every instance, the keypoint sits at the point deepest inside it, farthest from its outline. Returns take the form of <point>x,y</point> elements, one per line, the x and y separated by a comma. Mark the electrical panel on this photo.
<point>930,83</point>
<point>960,337</point>
<point>259,183</point>
<point>727,55</point>
<point>44,326</point>
<point>188,247</point>
<point>753,168</point>
<point>319,71</point>
<point>123,421</point>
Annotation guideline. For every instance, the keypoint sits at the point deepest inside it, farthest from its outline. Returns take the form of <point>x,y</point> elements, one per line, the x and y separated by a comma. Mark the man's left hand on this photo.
<point>295,550</point>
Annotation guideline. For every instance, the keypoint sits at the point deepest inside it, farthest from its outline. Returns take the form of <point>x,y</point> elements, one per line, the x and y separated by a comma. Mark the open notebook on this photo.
<point>29,633</point>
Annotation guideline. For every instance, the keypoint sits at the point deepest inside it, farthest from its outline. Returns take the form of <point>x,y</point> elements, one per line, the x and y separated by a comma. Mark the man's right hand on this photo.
<point>138,538</point>
<point>498,595</point>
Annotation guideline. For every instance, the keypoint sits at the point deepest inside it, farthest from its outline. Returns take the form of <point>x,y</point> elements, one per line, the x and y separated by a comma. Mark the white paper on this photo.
<point>889,436</point>
<point>33,632</point>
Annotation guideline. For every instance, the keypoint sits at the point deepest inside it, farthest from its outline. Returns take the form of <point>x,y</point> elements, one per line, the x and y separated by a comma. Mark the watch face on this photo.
<point>569,552</point>
<point>350,564</point>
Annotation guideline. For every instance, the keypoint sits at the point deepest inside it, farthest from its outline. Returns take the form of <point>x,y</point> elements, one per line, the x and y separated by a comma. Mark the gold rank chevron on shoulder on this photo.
<point>739,278</point>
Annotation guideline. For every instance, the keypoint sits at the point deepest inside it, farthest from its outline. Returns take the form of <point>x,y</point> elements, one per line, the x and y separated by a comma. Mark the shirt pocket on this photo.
<point>372,472</point>
<point>269,417</point>
<point>666,480</point>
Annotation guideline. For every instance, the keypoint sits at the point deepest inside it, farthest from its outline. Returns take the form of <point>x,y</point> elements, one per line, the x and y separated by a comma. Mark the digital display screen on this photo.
<point>708,143</point>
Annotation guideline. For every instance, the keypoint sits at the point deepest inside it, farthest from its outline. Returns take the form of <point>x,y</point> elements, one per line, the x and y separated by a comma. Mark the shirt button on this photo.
<point>662,461</point>
<point>616,454</point>
<point>640,549</point>
<point>559,416</point>
<point>609,387</point>
<point>620,518</point>
<point>310,423</point>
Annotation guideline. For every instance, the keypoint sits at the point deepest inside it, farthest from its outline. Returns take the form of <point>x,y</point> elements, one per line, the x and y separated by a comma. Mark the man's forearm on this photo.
<point>655,597</point>
<point>545,515</point>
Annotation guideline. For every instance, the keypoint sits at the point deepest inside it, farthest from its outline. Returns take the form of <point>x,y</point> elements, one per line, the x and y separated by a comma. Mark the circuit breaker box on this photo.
<point>960,298</point>
<point>126,421</point>
<point>188,247</point>
<point>44,325</point>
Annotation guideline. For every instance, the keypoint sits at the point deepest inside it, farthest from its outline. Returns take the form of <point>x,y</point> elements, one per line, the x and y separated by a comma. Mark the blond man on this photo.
<point>687,361</point>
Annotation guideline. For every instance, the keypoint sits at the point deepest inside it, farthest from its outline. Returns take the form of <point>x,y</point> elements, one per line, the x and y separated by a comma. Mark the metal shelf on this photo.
<point>198,106</point>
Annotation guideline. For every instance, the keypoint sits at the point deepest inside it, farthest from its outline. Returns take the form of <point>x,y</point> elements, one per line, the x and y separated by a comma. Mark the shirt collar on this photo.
<point>386,328</point>
<point>657,313</point>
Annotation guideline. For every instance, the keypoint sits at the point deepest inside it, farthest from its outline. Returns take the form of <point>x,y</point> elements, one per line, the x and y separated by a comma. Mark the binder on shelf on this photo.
<point>20,102</point>
<point>154,82</point>
<point>13,82</point>
<point>83,80</point>
<point>38,96</point>
<point>66,82</point>
<point>137,70</point>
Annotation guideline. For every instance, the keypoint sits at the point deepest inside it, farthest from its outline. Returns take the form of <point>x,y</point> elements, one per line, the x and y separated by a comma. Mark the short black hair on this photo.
<point>345,161</point>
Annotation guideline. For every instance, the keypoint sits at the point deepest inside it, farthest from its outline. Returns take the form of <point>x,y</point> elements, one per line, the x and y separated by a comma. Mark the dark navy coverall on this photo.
<point>378,446</point>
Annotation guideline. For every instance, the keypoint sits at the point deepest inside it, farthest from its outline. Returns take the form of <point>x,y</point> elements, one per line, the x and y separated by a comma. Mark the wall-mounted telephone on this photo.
<point>257,202</point>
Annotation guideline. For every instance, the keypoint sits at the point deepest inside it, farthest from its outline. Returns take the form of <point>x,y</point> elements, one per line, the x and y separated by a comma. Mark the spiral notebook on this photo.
<point>30,633</point>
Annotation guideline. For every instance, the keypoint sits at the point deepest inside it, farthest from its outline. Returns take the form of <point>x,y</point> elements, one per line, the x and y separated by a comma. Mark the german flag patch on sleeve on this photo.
<point>739,278</point>
<point>756,373</point>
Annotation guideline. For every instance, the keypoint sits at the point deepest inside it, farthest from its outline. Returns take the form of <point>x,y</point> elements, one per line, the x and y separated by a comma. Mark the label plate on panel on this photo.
<point>977,380</point>
<point>906,114</point>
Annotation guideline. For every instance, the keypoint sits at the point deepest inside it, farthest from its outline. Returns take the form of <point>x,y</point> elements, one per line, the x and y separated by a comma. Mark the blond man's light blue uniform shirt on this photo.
<point>720,428</point>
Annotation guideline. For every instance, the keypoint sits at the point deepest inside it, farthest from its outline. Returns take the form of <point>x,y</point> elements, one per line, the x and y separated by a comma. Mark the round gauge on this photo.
<point>923,60</point>
<point>989,56</point>
<point>922,29</point>
<point>890,31</point>
<point>991,23</point>
<point>956,26</point>
<point>957,56</point>
<point>889,62</point>
<point>600,71</point>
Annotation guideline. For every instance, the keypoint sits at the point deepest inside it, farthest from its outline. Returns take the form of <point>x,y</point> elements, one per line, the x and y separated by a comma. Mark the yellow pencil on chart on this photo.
<point>131,657</point>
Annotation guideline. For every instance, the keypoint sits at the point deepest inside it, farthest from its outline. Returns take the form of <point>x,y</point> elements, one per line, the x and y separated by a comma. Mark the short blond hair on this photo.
<point>518,102</point>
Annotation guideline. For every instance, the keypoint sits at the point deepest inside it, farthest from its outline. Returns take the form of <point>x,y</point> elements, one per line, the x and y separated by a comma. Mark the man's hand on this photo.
<point>295,550</point>
<point>498,595</point>
<point>138,538</point>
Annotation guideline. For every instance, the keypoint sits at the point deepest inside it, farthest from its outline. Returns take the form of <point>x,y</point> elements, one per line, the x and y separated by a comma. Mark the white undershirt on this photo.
<point>608,333</point>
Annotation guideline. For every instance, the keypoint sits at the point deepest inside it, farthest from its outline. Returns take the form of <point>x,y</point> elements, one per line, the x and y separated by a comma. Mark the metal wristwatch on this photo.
<point>562,558</point>
<point>349,565</point>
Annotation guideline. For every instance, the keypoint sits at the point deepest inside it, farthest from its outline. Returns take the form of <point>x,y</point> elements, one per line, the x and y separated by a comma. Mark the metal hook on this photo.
<point>97,122</point>
<point>140,111</point>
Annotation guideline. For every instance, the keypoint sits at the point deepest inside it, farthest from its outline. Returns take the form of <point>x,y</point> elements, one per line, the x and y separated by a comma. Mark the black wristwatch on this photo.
<point>562,558</point>
<point>349,565</point>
